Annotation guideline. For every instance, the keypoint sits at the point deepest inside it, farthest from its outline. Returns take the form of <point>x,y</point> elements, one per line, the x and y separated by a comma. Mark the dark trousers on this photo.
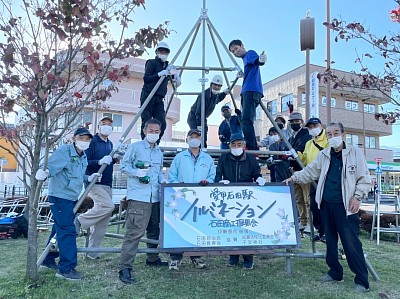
<point>249,101</point>
<point>63,215</point>
<point>153,230</point>
<point>347,227</point>
<point>191,120</point>
<point>154,109</point>
<point>246,258</point>
<point>316,213</point>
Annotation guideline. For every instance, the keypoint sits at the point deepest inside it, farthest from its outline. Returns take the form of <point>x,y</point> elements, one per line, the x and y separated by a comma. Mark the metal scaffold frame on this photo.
<point>203,22</point>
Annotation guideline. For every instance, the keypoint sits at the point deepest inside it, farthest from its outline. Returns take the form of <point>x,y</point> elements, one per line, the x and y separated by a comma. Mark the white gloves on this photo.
<point>225,182</point>
<point>140,173</point>
<point>260,181</point>
<point>94,176</point>
<point>163,73</point>
<point>239,74</point>
<point>41,174</point>
<point>177,79</point>
<point>226,91</point>
<point>106,159</point>
<point>262,58</point>
<point>164,181</point>
<point>270,160</point>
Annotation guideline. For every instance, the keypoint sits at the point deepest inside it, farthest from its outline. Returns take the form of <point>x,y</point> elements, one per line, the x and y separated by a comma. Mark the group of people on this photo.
<point>337,169</point>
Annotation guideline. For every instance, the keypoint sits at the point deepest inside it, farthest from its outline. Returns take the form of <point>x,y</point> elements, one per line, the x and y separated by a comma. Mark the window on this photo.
<point>333,102</point>
<point>370,142</point>
<point>352,139</point>
<point>351,105</point>
<point>117,121</point>
<point>369,108</point>
<point>287,99</point>
<point>303,98</point>
<point>272,106</point>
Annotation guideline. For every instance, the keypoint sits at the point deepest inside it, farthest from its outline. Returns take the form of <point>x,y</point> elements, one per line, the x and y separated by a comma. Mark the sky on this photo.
<point>270,26</point>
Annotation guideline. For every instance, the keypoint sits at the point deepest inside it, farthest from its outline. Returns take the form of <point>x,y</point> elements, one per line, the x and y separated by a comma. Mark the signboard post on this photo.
<point>228,217</point>
<point>378,172</point>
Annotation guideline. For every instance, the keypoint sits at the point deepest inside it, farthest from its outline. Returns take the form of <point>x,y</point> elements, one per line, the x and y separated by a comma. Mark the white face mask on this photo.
<point>315,132</point>
<point>163,57</point>
<point>275,138</point>
<point>335,142</point>
<point>214,91</point>
<point>152,138</point>
<point>82,145</point>
<point>194,143</point>
<point>105,130</point>
<point>237,151</point>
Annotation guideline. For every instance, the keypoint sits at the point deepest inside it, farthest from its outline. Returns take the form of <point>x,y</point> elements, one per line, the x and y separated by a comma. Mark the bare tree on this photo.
<point>385,50</point>
<point>54,59</point>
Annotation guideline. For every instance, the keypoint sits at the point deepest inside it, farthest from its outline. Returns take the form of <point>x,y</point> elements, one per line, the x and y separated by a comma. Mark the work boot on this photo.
<point>199,263</point>
<point>125,276</point>
<point>157,263</point>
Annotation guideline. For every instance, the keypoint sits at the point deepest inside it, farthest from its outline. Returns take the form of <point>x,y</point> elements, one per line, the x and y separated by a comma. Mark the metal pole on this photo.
<point>378,204</point>
<point>328,64</point>
<point>363,121</point>
<point>120,142</point>
<point>307,84</point>
<point>203,76</point>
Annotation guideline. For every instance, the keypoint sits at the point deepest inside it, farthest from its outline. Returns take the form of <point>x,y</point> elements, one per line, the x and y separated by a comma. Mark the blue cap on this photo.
<point>225,107</point>
<point>82,131</point>
<point>235,137</point>
<point>313,120</point>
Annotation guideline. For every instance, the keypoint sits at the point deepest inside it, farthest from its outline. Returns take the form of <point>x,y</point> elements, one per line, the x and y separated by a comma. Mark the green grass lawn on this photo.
<point>268,279</point>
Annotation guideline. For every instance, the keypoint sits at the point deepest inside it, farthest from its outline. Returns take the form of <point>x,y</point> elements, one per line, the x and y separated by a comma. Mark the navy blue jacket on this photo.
<point>225,130</point>
<point>244,168</point>
<point>150,78</point>
<point>211,100</point>
<point>98,149</point>
<point>298,142</point>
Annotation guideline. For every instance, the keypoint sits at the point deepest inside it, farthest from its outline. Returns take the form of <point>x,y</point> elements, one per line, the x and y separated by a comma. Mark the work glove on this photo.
<point>263,57</point>
<point>163,73</point>
<point>177,79</point>
<point>226,91</point>
<point>140,173</point>
<point>164,181</point>
<point>94,176</point>
<point>270,160</point>
<point>41,174</point>
<point>106,159</point>
<point>203,183</point>
<point>239,74</point>
<point>117,156</point>
<point>238,112</point>
<point>260,181</point>
<point>225,182</point>
<point>223,139</point>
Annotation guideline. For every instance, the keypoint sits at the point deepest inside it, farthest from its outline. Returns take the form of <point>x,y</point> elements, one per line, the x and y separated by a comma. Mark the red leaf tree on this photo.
<point>54,58</point>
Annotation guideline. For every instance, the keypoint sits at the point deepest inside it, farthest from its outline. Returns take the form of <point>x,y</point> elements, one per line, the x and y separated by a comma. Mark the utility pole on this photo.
<point>328,64</point>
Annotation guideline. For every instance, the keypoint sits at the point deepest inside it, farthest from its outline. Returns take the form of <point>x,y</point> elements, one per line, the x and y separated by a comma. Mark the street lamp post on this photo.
<point>328,64</point>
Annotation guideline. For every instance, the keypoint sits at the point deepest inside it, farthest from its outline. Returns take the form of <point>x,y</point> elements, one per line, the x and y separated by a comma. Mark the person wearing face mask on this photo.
<point>311,151</point>
<point>154,70</point>
<point>66,172</point>
<point>343,181</point>
<point>281,122</point>
<point>143,202</point>
<point>298,141</point>
<point>212,96</point>
<point>279,167</point>
<point>229,126</point>
<point>97,217</point>
<point>237,166</point>
<point>191,166</point>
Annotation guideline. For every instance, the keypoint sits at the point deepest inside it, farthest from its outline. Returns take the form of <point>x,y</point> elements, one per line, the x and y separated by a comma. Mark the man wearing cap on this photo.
<point>191,166</point>
<point>154,70</point>
<point>311,151</point>
<point>142,164</point>
<point>281,122</point>
<point>279,167</point>
<point>298,141</point>
<point>97,217</point>
<point>237,166</point>
<point>212,96</point>
<point>229,126</point>
<point>66,172</point>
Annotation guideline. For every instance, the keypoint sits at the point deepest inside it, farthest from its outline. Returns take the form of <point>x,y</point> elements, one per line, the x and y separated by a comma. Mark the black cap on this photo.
<point>198,132</point>
<point>106,117</point>
<point>82,131</point>
<point>235,137</point>
<point>313,120</point>
<point>225,107</point>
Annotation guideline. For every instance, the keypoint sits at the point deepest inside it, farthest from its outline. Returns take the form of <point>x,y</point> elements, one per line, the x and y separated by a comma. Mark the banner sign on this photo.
<point>227,217</point>
<point>314,95</point>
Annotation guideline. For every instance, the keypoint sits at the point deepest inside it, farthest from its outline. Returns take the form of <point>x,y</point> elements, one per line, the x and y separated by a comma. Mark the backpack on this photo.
<point>13,227</point>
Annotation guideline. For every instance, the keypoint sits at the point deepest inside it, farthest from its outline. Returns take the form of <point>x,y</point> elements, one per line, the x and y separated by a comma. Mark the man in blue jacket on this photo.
<point>252,90</point>
<point>237,166</point>
<point>191,166</point>
<point>142,195</point>
<point>66,172</point>
<point>229,126</point>
<point>97,217</point>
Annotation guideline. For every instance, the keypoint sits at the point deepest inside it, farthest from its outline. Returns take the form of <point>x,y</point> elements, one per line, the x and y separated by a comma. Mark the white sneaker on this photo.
<point>174,265</point>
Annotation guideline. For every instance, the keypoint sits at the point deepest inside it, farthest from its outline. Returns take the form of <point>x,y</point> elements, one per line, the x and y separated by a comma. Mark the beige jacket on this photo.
<point>355,175</point>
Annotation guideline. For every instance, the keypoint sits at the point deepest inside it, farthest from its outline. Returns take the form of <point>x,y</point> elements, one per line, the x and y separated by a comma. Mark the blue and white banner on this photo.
<point>314,95</point>
<point>224,216</point>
